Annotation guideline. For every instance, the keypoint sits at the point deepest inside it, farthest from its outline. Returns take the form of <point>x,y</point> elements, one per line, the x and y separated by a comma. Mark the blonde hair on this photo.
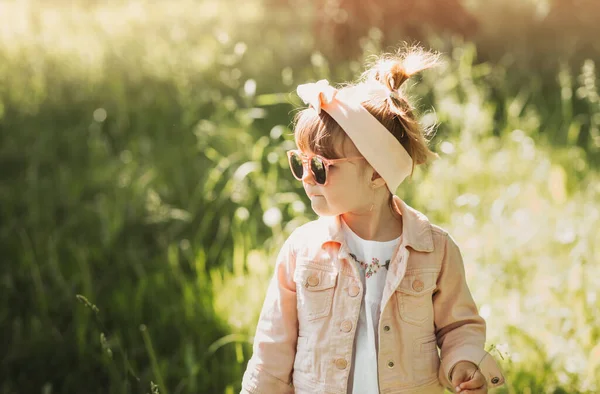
<point>319,132</point>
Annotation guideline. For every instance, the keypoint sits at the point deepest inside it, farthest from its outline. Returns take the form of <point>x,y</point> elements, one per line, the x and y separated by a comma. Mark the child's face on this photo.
<point>348,186</point>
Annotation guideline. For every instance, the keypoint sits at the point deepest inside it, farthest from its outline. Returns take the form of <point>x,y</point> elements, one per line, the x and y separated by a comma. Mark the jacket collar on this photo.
<point>416,229</point>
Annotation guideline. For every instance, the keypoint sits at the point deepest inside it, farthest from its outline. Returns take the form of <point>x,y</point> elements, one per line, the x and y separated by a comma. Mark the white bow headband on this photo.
<point>381,149</point>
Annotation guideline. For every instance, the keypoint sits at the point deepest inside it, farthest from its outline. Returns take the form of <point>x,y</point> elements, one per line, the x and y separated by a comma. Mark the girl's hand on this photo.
<point>467,379</point>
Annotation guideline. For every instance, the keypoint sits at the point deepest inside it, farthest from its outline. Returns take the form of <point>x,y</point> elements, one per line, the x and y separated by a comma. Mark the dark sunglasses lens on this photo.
<point>296,165</point>
<point>318,169</point>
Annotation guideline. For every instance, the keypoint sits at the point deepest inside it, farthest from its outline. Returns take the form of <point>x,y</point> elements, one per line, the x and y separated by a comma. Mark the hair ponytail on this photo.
<point>396,113</point>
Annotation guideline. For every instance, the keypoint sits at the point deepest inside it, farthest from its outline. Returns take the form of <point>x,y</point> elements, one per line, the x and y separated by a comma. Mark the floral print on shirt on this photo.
<point>372,267</point>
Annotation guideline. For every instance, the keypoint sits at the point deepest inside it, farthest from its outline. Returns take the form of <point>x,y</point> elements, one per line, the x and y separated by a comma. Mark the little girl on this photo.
<point>362,298</point>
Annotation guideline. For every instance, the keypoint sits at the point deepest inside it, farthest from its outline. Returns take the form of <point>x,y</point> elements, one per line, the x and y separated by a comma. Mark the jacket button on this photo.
<point>417,285</point>
<point>390,364</point>
<point>353,291</point>
<point>386,328</point>
<point>340,363</point>
<point>313,281</point>
<point>346,326</point>
<point>495,380</point>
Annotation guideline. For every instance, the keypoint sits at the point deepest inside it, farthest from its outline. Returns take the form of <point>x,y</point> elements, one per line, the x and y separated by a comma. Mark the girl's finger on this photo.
<point>477,382</point>
<point>472,384</point>
<point>481,390</point>
<point>478,390</point>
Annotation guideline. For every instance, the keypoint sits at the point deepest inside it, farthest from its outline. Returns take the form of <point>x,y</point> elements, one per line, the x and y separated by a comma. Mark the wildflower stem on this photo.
<point>153,360</point>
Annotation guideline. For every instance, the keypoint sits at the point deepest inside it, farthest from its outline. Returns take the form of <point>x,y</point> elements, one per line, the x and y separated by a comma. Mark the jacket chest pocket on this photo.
<point>414,296</point>
<point>314,292</point>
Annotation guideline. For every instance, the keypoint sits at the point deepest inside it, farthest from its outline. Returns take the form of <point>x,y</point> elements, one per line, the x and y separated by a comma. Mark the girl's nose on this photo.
<point>307,176</point>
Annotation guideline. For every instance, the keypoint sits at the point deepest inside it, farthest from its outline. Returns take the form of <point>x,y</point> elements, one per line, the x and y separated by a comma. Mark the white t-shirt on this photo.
<point>372,259</point>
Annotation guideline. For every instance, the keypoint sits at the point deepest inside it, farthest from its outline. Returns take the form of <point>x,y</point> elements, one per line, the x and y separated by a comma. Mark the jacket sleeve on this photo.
<point>460,331</point>
<point>269,370</point>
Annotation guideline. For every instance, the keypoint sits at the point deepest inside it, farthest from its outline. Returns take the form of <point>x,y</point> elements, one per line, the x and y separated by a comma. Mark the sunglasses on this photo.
<point>319,166</point>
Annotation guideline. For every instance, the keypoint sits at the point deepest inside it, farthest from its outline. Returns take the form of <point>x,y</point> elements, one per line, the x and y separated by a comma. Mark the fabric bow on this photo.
<point>317,94</point>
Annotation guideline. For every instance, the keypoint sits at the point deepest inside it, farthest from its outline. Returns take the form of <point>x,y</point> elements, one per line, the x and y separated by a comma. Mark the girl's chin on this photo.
<point>320,207</point>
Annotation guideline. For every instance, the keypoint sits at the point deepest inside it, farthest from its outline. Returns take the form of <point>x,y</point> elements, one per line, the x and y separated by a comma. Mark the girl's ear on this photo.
<point>377,181</point>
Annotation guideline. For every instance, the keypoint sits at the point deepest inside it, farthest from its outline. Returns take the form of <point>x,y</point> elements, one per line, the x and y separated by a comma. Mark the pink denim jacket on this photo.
<point>305,334</point>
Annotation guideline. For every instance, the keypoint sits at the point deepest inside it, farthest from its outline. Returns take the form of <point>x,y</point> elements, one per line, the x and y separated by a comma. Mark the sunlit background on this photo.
<point>144,187</point>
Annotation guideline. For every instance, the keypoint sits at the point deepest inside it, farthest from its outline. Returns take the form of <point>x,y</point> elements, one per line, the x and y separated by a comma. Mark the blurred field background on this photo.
<point>145,192</point>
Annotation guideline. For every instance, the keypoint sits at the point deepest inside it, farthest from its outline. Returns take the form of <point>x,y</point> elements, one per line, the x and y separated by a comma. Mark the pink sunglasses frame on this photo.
<point>307,158</point>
